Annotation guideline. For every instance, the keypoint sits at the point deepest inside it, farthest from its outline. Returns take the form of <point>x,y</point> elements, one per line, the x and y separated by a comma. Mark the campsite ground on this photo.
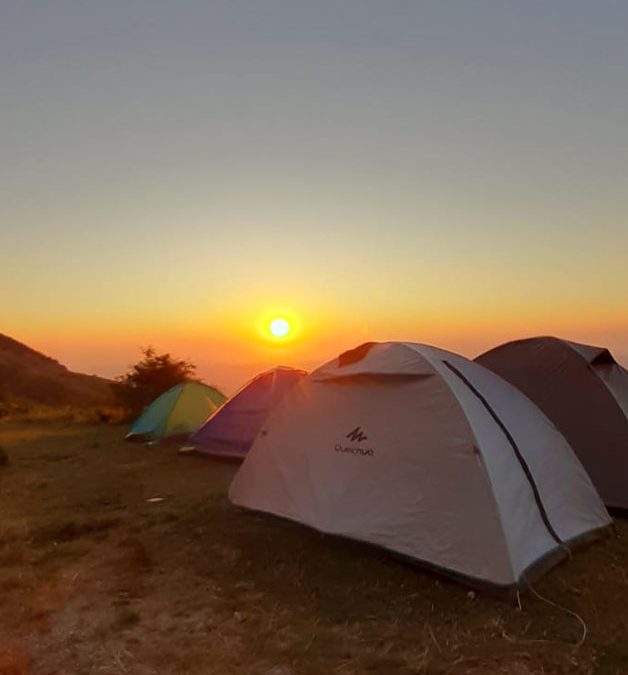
<point>96,579</point>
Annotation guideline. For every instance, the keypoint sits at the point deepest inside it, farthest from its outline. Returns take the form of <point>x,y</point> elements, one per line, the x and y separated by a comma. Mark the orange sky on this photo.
<point>233,349</point>
<point>450,173</point>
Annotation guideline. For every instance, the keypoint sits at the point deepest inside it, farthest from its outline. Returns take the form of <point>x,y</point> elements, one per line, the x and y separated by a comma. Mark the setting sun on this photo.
<point>279,327</point>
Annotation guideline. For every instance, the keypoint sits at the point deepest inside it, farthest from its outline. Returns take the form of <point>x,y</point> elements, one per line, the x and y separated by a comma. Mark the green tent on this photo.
<point>177,412</point>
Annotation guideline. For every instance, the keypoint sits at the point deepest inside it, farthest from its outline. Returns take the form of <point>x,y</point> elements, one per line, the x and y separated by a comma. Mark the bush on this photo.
<point>150,377</point>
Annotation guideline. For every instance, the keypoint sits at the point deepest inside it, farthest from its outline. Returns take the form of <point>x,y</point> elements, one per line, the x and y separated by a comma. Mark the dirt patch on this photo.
<point>13,660</point>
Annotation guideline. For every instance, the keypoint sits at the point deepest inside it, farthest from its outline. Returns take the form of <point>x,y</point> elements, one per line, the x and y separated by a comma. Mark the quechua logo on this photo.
<point>356,436</point>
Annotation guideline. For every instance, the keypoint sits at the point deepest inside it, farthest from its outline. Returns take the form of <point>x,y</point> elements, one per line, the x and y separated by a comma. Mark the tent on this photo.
<point>232,428</point>
<point>177,412</point>
<point>584,392</point>
<point>427,454</point>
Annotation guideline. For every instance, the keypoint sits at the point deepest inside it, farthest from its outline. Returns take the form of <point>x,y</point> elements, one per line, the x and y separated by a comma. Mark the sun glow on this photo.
<point>279,327</point>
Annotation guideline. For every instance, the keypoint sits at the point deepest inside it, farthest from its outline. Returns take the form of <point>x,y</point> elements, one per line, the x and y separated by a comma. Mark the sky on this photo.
<point>176,173</point>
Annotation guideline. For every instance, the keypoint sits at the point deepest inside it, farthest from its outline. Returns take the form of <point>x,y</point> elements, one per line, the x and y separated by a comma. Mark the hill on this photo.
<point>29,377</point>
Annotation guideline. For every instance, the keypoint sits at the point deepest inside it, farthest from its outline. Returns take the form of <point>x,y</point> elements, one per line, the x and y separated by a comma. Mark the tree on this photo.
<point>149,377</point>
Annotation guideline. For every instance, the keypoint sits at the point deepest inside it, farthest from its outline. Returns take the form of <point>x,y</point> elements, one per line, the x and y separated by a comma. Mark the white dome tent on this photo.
<point>427,454</point>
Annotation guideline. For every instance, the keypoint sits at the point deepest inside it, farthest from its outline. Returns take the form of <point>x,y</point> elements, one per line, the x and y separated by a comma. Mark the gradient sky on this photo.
<point>447,172</point>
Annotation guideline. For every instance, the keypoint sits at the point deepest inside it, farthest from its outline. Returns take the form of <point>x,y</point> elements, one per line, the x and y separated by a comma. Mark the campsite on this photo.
<point>453,531</point>
<point>93,572</point>
<point>314,337</point>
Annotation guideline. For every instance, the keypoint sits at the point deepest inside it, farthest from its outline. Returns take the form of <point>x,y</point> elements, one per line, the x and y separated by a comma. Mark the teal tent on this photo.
<point>177,412</point>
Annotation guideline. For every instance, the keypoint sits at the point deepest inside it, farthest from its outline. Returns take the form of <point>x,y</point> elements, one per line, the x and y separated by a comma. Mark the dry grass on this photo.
<point>95,579</point>
<point>16,412</point>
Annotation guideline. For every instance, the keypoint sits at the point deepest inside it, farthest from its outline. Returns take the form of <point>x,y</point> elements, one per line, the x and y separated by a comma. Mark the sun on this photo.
<point>279,327</point>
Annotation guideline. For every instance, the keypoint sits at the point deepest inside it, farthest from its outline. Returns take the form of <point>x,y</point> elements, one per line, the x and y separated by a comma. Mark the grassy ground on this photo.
<point>96,579</point>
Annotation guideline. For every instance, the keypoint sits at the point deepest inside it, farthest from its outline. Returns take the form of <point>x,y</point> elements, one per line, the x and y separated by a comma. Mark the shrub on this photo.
<point>148,378</point>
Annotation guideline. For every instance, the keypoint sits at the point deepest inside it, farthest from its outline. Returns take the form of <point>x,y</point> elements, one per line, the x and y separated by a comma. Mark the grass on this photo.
<point>39,413</point>
<point>94,578</point>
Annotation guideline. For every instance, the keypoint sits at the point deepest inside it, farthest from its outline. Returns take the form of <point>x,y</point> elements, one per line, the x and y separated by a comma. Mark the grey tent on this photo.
<point>426,454</point>
<point>584,391</point>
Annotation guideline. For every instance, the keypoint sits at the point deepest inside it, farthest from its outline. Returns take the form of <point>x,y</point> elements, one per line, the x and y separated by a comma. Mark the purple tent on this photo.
<point>231,430</point>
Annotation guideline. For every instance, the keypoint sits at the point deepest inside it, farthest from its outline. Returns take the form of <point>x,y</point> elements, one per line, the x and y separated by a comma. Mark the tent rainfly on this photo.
<point>584,392</point>
<point>231,430</point>
<point>426,454</point>
<point>177,412</point>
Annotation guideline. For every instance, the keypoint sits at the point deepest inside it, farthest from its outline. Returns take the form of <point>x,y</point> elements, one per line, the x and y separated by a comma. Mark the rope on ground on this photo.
<point>577,616</point>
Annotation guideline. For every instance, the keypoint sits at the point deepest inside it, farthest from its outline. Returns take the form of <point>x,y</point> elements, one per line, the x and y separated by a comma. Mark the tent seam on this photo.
<point>515,448</point>
<point>174,405</point>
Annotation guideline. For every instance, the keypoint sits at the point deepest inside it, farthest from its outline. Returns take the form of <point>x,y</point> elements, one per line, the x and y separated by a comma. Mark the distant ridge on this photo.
<point>28,376</point>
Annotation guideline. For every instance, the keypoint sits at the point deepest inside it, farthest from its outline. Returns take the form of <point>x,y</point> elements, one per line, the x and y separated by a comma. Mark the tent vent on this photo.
<point>603,358</point>
<point>354,355</point>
